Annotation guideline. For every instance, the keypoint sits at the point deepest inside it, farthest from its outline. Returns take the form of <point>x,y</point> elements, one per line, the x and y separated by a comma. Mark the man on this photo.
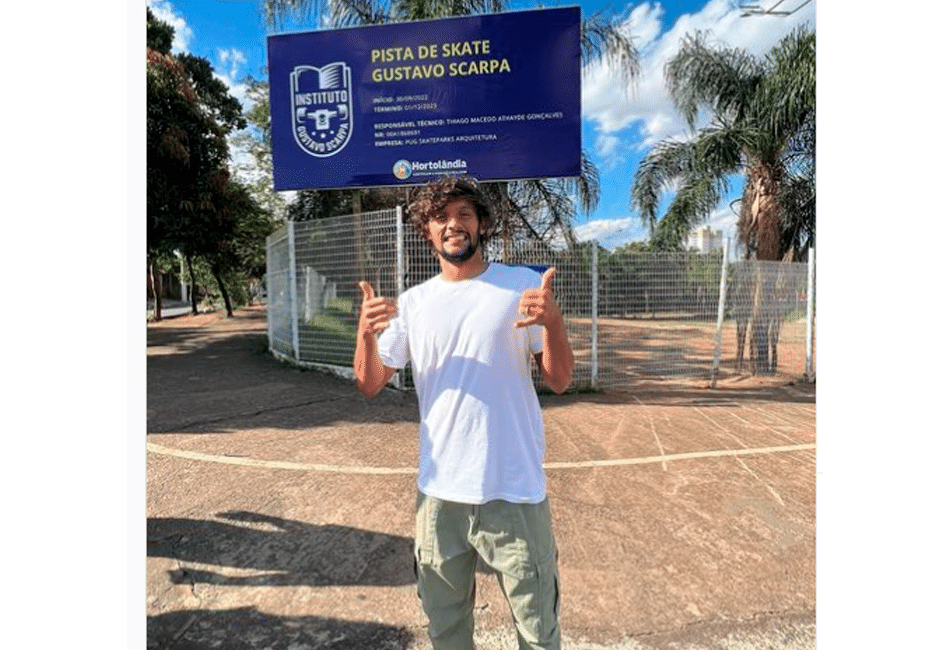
<point>469,333</point>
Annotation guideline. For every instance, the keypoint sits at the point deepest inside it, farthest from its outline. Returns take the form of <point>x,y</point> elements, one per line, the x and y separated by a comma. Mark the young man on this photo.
<point>470,333</point>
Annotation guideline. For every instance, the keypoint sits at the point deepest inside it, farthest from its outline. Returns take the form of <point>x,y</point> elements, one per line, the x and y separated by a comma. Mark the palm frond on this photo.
<point>798,201</point>
<point>547,206</point>
<point>696,197</point>
<point>786,97</point>
<point>352,13</point>
<point>721,79</point>
<point>277,11</point>
<point>602,39</point>
<point>587,186</point>
<point>717,150</point>
<point>658,171</point>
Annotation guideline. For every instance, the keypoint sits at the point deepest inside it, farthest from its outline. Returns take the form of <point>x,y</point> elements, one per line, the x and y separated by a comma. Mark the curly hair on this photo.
<point>430,199</point>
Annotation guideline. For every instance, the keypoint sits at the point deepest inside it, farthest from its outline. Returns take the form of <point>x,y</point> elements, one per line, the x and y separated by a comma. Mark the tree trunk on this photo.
<point>759,322</point>
<point>156,282</point>
<point>765,213</point>
<point>224,291</point>
<point>764,223</point>
<point>504,216</point>
<point>194,294</point>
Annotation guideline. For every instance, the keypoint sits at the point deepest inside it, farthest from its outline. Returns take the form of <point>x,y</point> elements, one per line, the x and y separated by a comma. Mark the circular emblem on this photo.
<point>402,169</point>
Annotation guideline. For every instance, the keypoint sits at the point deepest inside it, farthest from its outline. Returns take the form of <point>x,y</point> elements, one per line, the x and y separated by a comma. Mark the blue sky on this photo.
<point>618,129</point>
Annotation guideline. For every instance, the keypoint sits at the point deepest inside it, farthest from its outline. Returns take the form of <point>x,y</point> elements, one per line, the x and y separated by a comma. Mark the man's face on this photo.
<point>454,232</point>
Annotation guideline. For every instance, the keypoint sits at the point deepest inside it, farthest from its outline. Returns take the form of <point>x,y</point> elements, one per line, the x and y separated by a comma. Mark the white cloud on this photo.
<point>649,106</point>
<point>232,57</point>
<point>230,63</point>
<point>165,12</point>
<point>230,66</point>
<point>609,150</point>
<point>236,89</point>
<point>626,125</point>
<point>612,233</point>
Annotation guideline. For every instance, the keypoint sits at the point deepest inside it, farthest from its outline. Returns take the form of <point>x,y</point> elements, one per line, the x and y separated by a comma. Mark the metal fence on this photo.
<point>639,317</point>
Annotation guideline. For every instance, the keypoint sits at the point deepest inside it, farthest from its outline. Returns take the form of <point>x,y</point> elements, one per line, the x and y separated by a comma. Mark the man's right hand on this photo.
<point>375,313</point>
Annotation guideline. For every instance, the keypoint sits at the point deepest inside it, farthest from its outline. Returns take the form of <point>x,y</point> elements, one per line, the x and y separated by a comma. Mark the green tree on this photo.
<point>237,247</point>
<point>189,114</point>
<point>762,127</point>
<point>536,209</point>
<point>258,174</point>
<point>233,249</point>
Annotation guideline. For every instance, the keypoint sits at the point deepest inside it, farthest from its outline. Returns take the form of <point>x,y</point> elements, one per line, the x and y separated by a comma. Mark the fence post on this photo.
<point>721,315</point>
<point>400,253</point>
<point>269,278</point>
<point>810,319</point>
<point>292,249</point>
<point>594,289</point>
<point>400,278</point>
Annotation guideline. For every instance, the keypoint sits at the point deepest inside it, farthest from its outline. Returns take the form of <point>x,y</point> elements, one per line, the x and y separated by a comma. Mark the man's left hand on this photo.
<point>538,305</point>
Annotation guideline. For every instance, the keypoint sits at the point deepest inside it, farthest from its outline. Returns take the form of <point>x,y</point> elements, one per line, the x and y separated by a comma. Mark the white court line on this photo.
<point>275,464</point>
<point>671,457</point>
<point>354,469</point>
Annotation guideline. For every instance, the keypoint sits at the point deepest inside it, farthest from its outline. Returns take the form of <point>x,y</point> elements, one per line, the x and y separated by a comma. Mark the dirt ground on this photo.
<point>280,508</point>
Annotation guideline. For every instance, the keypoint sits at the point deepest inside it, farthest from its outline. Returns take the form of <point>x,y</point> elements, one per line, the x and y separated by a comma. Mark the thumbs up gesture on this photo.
<point>375,313</point>
<point>538,305</point>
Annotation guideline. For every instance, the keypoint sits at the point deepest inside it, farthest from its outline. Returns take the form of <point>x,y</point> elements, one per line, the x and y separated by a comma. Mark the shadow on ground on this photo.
<point>205,379</point>
<point>247,628</point>
<point>670,395</point>
<point>256,550</point>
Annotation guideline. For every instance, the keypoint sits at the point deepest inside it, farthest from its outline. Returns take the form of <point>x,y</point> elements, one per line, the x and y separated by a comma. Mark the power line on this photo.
<point>755,10</point>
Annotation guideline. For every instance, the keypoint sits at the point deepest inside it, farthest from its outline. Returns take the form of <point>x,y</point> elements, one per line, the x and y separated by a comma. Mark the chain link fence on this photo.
<point>639,317</point>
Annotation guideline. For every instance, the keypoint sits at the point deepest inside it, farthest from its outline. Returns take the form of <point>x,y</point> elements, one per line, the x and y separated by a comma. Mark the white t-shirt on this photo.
<point>481,434</point>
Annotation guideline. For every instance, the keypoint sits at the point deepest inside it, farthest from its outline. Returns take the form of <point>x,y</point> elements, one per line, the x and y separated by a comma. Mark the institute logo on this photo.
<point>322,105</point>
<point>402,169</point>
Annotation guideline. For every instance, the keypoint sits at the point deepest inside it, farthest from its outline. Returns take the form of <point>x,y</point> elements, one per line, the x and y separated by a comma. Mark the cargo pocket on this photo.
<point>425,530</point>
<point>533,592</point>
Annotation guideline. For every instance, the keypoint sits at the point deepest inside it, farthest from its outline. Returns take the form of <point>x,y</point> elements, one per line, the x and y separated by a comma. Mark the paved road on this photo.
<point>279,509</point>
<point>170,308</point>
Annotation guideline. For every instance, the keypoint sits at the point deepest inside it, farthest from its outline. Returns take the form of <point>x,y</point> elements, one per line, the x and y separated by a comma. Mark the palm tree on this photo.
<point>534,209</point>
<point>763,126</point>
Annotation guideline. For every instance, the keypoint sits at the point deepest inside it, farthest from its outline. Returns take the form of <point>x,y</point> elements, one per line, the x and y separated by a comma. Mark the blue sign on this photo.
<point>495,96</point>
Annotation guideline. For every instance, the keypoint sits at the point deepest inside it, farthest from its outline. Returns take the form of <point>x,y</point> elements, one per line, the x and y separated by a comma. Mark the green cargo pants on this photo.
<point>515,540</point>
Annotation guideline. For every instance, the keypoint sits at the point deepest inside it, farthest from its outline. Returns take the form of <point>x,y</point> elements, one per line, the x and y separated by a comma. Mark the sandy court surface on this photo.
<point>280,507</point>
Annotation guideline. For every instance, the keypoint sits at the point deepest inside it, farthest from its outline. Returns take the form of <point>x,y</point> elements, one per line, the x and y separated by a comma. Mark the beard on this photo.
<point>458,258</point>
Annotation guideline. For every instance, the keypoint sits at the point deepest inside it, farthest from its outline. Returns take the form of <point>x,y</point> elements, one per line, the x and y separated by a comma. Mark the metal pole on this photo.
<point>400,253</point>
<point>271,283</point>
<point>810,320</point>
<point>292,246</point>
<point>181,277</point>
<point>400,277</point>
<point>594,282</point>
<point>721,315</point>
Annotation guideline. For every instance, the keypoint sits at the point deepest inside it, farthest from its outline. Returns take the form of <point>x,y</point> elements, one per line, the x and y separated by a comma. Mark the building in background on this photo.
<point>705,240</point>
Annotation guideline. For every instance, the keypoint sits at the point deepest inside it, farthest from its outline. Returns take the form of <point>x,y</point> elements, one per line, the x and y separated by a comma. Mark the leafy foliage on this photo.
<point>763,126</point>
<point>193,207</point>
